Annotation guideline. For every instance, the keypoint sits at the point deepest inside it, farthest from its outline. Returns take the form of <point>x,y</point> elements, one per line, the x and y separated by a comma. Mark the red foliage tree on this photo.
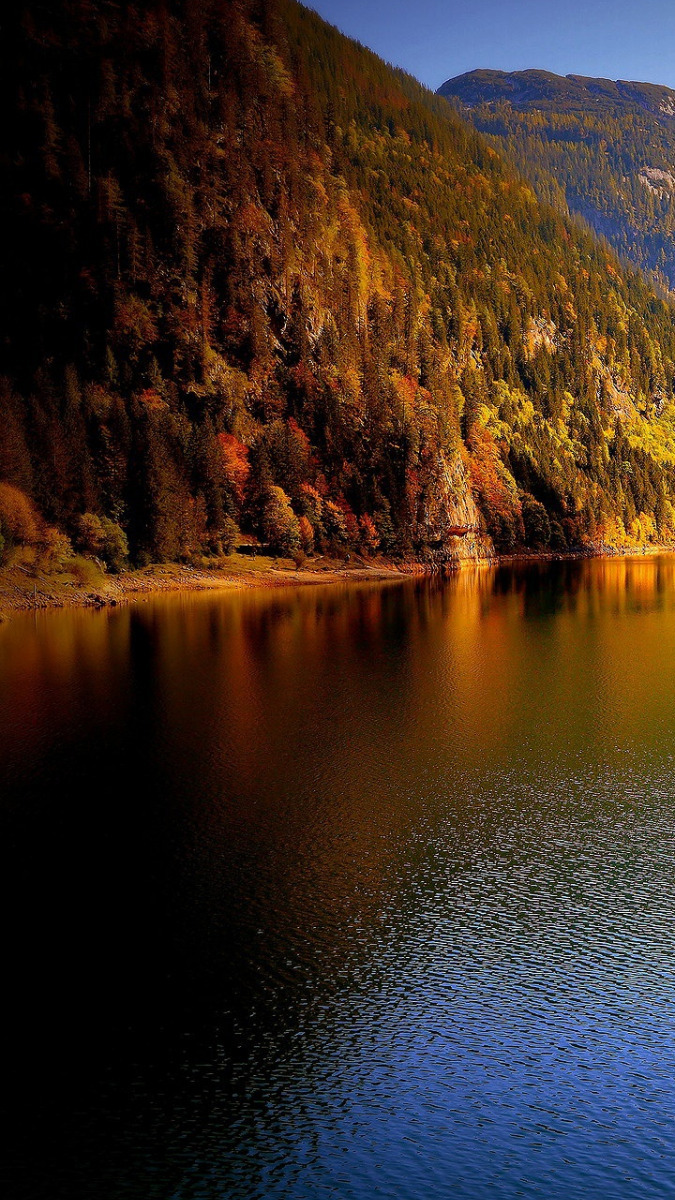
<point>236,466</point>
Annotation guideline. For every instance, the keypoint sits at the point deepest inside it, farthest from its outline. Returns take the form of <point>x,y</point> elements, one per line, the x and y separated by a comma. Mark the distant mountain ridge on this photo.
<point>605,149</point>
<point>525,88</point>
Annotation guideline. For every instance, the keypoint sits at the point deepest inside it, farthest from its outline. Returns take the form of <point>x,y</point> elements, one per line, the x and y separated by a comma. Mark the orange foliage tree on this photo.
<point>20,522</point>
<point>495,491</point>
<point>235,462</point>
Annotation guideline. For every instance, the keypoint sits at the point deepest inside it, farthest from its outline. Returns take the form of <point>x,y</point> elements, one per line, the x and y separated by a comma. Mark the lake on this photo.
<point>344,892</point>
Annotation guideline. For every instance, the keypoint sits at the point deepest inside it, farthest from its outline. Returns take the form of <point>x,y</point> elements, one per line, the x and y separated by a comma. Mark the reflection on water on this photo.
<point>354,892</point>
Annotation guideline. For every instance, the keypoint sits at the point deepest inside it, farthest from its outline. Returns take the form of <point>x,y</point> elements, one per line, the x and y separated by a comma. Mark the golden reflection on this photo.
<point>346,693</point>
<point>319,727</point>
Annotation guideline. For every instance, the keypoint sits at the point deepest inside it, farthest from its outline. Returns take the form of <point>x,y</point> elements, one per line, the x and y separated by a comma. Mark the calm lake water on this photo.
<point>349,893</point>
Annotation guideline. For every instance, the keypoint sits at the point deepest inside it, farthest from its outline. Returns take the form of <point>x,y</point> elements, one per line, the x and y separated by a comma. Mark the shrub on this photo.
<point>235,464</point>
<point>115,548</point>
<point>229,535</point>
<point>85,571</point>
<point>558,541</point>
<point>370,539</point>
<point>306,535</point>
<point>335,525</point>
<point>384,527</point>
<point>536,522</point>
<point>103,538</point>
<point>88,535</point>
<point>351,523</point>
<point>312,508</point>
<point>280,526</point>
<point>19,520</point>
<point>495,492</point>
<point>56,549</point>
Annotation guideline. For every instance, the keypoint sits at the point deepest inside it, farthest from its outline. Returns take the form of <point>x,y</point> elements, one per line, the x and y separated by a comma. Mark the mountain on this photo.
<point>254,279</point>
<point>606,150</point>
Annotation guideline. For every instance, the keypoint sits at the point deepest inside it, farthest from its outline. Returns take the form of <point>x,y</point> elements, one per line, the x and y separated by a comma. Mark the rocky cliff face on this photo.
<point>449,516</point>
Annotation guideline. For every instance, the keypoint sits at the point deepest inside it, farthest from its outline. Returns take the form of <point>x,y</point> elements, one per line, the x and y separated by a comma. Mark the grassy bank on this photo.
<point>24,586</point>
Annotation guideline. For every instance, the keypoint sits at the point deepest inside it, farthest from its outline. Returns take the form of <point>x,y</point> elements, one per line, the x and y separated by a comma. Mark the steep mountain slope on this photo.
<point>253,277</point>
<point>605,149</point>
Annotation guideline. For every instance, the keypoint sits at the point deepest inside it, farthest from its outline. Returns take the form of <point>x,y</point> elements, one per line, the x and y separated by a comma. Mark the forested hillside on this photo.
<point>253,279</point>
<point>605,149</point>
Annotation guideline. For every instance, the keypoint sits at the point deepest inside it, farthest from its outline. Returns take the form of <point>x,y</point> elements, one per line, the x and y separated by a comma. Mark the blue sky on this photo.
<point>435,39</point>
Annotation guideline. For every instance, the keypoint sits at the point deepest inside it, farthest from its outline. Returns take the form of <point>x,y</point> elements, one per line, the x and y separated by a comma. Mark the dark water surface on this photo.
<point>343,893</point>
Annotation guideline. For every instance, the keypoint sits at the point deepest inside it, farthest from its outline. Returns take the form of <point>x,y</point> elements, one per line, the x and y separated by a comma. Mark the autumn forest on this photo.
<point>259,285</point>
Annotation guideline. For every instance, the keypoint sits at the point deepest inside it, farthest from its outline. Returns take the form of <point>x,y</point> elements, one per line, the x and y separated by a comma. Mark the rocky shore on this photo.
<point>24,588</point>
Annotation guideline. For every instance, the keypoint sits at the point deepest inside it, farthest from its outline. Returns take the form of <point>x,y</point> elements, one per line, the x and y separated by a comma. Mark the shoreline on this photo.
<point>25,590</point>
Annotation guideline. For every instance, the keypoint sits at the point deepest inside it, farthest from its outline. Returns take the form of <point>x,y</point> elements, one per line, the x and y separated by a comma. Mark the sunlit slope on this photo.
<point>605,149</point>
